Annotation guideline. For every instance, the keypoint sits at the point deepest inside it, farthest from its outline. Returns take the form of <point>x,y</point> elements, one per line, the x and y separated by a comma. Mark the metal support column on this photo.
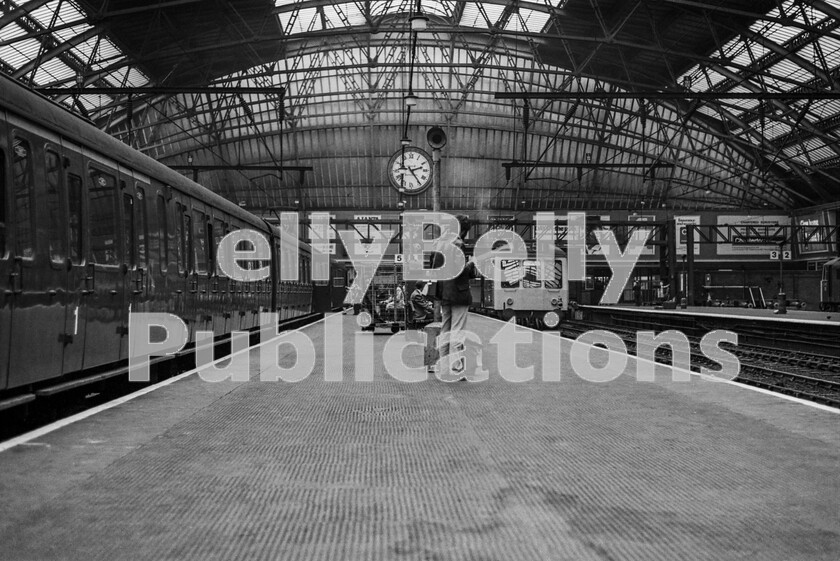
<point>689,258</point>
<point>436,179</point>
<point>673,273</point>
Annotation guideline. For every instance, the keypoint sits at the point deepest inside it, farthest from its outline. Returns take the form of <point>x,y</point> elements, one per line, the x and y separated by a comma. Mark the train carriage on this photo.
<point>91,230</point>
<point>522,290</point>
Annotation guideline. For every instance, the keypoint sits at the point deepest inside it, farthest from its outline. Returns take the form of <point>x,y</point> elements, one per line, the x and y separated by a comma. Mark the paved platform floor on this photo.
<point>384,469</point>
<point>792,315</point>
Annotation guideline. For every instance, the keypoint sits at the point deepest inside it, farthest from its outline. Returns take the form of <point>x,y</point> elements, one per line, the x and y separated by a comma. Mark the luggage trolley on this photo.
<point>382,303</point>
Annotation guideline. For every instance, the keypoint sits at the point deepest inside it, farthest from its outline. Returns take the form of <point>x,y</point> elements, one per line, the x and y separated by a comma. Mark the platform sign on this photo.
<point>682,234</point>
<point>816,242</point>
<point>501,222</point>
<point>324,247</point>
<point>747,245</point>
<point>561,233</point>
<point>786,255</point>
<point>592,245</point>
<point>643,234</point>
<point>398,259</point>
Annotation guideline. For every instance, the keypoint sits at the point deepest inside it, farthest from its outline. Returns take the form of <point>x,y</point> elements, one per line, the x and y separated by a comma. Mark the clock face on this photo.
<point>410,170</point>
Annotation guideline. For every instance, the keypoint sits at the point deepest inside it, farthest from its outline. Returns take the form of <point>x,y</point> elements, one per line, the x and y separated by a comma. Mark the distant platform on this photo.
<point>351,463</point>
<point>792,315</point>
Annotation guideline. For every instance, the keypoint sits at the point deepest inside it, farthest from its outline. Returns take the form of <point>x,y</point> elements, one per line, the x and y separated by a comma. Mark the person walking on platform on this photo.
<point>455,299</point>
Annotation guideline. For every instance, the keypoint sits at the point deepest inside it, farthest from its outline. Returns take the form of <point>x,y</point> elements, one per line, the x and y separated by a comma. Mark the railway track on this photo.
<point>808,376</point>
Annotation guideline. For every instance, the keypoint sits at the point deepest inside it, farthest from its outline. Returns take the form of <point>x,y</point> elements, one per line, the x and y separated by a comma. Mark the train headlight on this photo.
<point>551,320</point>
<point>555,302</point>
<point>509,302</point>
<point>364,320</point>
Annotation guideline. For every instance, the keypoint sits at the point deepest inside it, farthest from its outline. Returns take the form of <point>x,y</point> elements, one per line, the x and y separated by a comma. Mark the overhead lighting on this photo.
<point>419,22</point>
<point>411,100</point>
<point>405,141</point>
<point>589,157</point>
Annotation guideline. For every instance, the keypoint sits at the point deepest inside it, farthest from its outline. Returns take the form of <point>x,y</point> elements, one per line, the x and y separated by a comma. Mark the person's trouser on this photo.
<point>453,324</point>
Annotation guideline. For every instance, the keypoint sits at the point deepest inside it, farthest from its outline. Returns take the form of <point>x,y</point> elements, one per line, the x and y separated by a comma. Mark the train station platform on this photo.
<point>798,330</point>
<point>790,316</point>
<point>384,469</point>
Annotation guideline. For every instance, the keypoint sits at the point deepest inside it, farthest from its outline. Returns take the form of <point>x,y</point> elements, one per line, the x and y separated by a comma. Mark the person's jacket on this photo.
<point>422,305</point>
<point>454,291</point>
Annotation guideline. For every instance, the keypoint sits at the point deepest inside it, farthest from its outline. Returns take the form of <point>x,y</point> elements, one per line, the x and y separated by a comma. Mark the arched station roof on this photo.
<point>681,104</point>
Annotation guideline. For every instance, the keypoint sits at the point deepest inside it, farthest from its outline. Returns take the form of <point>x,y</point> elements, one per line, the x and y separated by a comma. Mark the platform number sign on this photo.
<point>398,258</point>
<point>785,255</point>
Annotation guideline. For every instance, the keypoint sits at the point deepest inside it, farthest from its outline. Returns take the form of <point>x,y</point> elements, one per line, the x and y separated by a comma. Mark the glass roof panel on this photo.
<point>20,53</point>
<point>53,70</point>
<point>44,15</point>
<point>528,20</point>
<point>472,16</point>
<point>70,32</point>
<point>94,102</point>
<point>11,31</point>
<point>336,14</point>
<point>300,21</point>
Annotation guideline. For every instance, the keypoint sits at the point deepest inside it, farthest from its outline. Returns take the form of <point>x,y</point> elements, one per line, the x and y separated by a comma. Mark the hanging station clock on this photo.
<point>410,170</point>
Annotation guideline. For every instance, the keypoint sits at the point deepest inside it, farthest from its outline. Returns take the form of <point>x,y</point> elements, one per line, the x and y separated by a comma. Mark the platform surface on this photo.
<point>384,469</point>
<point>792,315</point>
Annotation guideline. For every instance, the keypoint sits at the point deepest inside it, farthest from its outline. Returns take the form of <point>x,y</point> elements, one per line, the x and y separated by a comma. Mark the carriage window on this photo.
<point>218,234</point>
<point>163,233</point>
<point>179,241</point>
<point>74,217</point>
<point>128,230</point>
<point>54,207</point>
<point>22,200</point>
<point>200,242</point>
<point>188,241</point>
<point>558,276</point>
<point>3,250</point>
<point>511,272</point>
<point>532,275</point>
<point>211,247</point>
<point>141,226</point>
<point>103,226</point>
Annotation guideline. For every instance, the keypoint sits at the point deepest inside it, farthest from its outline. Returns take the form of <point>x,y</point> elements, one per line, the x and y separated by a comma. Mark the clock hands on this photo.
<point>415,175</point>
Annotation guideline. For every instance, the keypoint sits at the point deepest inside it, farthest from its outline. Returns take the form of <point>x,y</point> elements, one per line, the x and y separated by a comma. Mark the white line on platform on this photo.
<point>798,400</point>
<point>46,429</point>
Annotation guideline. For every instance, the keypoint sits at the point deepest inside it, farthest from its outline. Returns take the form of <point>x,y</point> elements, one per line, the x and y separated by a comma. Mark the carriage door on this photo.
<point>133,264</point>
<point>62,299</point>
<point>180,239</point>
<point>6,280</point>
<point>37,293</point>
<point>104,279</point>
<point>199,278</point>
<point>78,289</point>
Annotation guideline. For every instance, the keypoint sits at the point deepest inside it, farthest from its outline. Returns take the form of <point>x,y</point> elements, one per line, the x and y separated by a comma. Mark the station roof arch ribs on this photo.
<point>733,104</point>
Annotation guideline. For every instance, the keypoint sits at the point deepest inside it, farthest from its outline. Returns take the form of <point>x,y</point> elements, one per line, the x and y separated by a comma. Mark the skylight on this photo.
<point>20,48</point>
